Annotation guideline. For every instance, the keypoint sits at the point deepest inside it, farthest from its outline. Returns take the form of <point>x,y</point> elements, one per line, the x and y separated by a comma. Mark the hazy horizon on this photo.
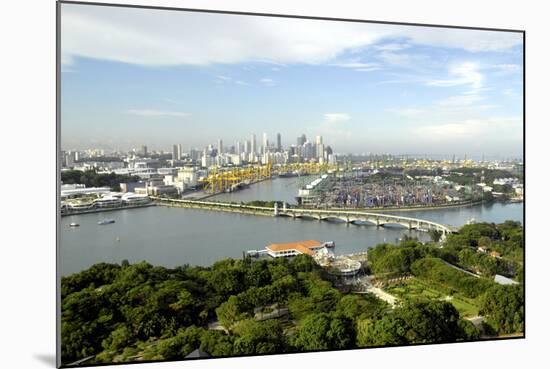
<point>133,77</point>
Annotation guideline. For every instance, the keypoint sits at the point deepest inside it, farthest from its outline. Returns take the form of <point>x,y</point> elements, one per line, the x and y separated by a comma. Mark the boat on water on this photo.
<point>73,224</point>
<point>106,221</point>
<point>288,174</point>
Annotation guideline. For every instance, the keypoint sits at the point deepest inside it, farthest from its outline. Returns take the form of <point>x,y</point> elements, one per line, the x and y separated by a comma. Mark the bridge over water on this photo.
<point>347,216</point>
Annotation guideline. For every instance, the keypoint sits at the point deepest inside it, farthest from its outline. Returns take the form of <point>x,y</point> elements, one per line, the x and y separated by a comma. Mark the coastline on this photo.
<point>102,210</point>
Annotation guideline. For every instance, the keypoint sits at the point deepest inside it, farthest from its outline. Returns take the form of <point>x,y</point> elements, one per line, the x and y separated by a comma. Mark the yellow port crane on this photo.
<point>224,180</point>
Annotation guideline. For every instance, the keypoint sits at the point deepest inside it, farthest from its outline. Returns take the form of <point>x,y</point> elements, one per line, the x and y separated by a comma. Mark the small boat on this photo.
<point>106,221</point>
<point>73,224</point>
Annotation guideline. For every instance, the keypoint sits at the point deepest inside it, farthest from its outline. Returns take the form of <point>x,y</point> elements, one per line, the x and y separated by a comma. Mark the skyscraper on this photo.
<point>220,146</point>
<point>239,148</point>
<point>144,150</point>
<point>319,149</point>
<point>264,143</point>
<point>279,146</point>
<point>301,139</point>
<point>253,143</point>
<point>175,152</point>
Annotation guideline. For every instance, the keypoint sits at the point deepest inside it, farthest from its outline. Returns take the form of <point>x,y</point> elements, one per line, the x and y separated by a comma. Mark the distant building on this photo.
<point>175,152</point>
<point>265,143</point>
<point>253,144</point>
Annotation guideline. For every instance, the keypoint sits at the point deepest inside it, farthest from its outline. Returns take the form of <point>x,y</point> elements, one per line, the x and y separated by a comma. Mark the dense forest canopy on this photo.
<point>128,312</point>
<point>91,178</point>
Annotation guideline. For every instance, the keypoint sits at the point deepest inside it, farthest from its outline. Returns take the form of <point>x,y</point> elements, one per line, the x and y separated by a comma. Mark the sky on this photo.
<point>133,77</point>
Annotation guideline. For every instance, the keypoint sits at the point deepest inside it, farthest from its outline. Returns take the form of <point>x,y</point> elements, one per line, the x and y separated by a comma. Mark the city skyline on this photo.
<point>245,145</point>
<point>365,87</point>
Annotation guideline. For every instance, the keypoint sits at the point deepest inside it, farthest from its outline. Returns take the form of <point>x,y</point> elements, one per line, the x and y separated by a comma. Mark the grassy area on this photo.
<point>415,288</point>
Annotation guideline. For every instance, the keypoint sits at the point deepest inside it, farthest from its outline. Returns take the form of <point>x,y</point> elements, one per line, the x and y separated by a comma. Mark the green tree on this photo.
<point>435,235</point>
<point>430,321</point>
<point>318,331</point>
<point>217,343</point>
<point>467,330</point>
<point>230,312</point>
<point>259,337</point>
<point>503,308</point>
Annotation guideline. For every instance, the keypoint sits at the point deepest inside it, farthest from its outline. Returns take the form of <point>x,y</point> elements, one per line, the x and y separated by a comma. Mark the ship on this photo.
<point>74,225</point>
<point>288,174</point>
<point>106,221</point>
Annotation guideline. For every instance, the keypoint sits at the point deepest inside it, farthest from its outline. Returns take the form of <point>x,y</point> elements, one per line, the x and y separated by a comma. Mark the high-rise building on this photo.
<point>239,148</point>
<point>279,146</point>
<point>144,150</point>
<point>265,143</point>
<point>301,140</point>
<point>194,154</point>
<point>307,152</point>
<point>319,149</point>
<point>69,159</point>
<point>247,147</point>
<point>220,146</point>
<point>253,144</point>
<point>175,152</point>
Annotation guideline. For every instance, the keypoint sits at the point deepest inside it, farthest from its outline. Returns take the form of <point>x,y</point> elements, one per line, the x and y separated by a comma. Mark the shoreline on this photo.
<point>102,210</point>
<point>415,208</point>
<point>436,207</point>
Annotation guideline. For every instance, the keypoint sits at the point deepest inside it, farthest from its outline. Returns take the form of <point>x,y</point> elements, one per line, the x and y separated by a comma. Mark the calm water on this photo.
<point>280,189</point>
<point>175,236</point>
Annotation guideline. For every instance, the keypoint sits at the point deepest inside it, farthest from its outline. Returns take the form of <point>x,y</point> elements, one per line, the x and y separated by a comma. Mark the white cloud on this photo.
<point>509,92</point>
<point>229,80</point>
<point>357,65</point>
<point>369,69</point>
<point>157,113</point>
<point>506,69</point>
<point>157,37</point>
<point>336,117</point>
<point>267,82</point>
<point>475,129</point>
<point>392,47</point>
<point>460,100</point>
<point>406,112</point>
<point>465,74</point>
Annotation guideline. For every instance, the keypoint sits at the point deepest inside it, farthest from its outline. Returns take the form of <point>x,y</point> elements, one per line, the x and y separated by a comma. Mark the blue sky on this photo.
<point>132,77</point>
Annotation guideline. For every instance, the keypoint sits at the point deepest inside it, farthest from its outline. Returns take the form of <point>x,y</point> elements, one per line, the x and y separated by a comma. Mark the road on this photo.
<point>462,270</point>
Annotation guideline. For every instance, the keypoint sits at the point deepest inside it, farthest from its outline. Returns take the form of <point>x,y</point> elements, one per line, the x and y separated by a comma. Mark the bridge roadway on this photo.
<point>348,216</point>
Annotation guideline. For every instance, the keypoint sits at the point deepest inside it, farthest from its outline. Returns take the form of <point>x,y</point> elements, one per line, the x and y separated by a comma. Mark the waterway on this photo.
<point>279,189</point>
<point>177,236</point>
